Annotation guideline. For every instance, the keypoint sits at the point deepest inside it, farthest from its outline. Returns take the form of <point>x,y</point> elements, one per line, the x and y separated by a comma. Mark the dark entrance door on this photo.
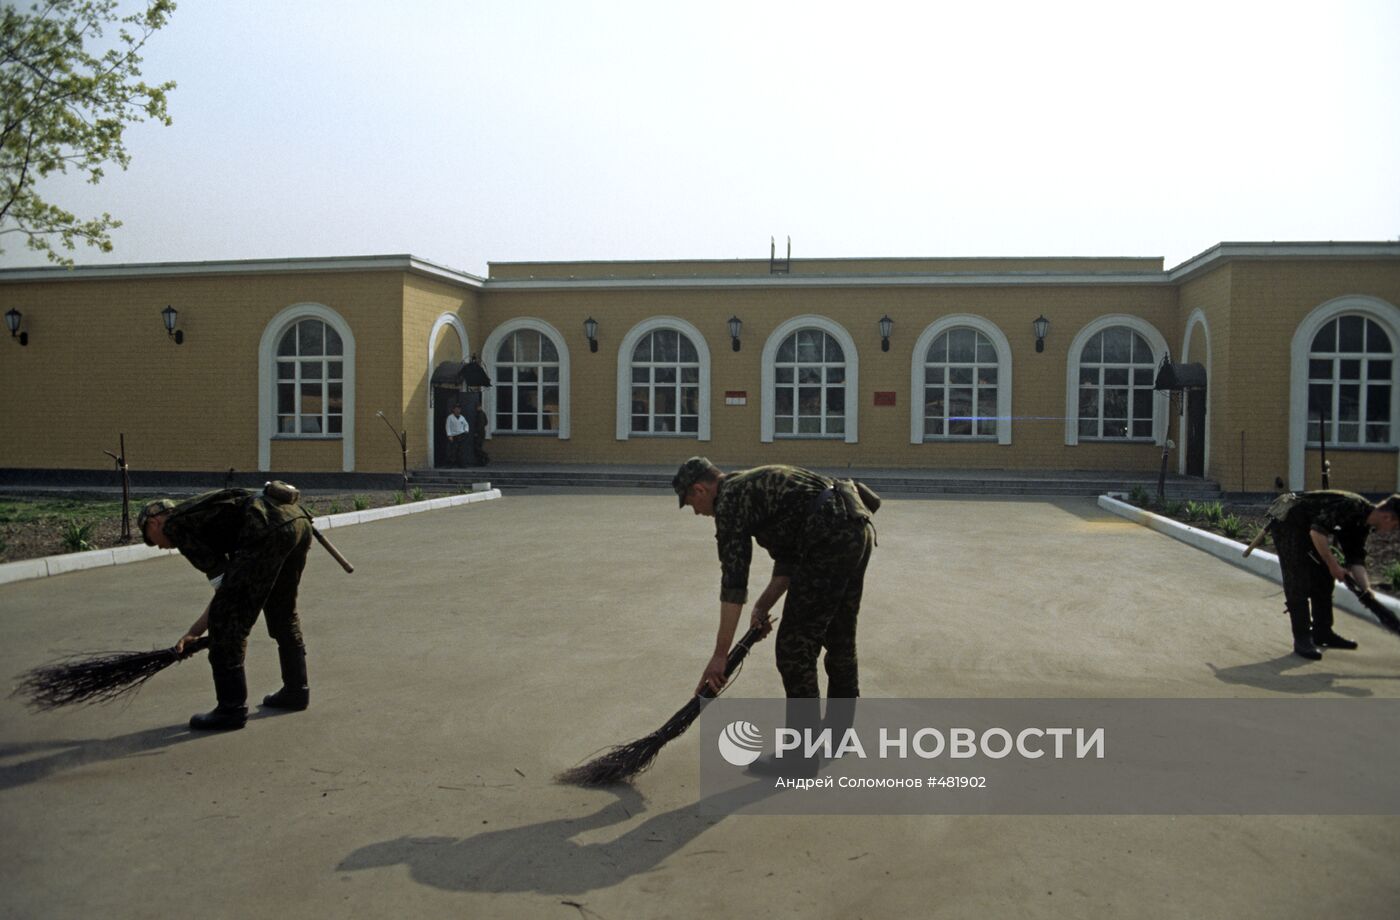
<point>1195,432</point>
<point>444,398</point>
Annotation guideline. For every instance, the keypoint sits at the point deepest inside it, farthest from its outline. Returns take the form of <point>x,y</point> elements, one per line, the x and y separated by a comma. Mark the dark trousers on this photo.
<point>823,603</point>
<point>455,450</point>
<point>263,576</point>
<point>1307,585</point>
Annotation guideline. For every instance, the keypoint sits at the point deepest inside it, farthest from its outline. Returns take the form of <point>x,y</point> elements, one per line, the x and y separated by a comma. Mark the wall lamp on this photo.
<point>12,319</point>
<point>886,327</point>
<point>590,329</point>
<point>169,315</point>
<point>735,327</point>
<point>1041,326</point>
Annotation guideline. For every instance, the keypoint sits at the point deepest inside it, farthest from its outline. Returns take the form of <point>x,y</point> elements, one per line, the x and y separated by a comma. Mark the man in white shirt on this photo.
<point>457,429</point>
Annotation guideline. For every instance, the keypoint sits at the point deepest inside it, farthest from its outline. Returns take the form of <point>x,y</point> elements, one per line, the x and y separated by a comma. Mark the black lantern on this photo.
<point>1042,326</point>
<point>169,315</point>
<point>886,327</point>
<point>735,326</point>
<point>12,318</point>
<point>590,330</point>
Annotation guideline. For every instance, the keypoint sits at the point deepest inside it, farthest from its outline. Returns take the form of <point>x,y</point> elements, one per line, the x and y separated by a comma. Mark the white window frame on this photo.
<point>1387,315</point>
<point>1363,384</point>
<point>768,377</point>
<point>916,378</point>
<point>492,345</point>
<point>267,381</point>
<point>624,376</point>
<point>1154,340</point>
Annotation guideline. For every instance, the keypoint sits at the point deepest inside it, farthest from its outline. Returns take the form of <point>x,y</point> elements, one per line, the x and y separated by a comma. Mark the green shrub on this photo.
<point>335,508</point>
<point>418,493</point>
<point>1192,510</point>
<point>361,503</point>
<point>1231,526</point>
<point>1390,573</point>
<point>1172,509</point>
<point>1212,512</point>
<point>77,537</point>
<point>399,497</point>
<point>1138,496</point>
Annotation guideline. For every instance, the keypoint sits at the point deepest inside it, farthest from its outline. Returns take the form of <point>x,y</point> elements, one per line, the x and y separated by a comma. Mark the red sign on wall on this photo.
<point>884,397</point>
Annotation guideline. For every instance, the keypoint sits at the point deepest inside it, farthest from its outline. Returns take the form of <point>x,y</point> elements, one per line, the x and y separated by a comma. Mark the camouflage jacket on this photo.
<point>1340,515</point>
<point>208,529</point>
<point>770,504</point>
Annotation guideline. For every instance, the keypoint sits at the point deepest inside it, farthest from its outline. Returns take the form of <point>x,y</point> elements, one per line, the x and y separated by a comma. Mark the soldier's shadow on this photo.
<point>69,754</point>
<point>1274,675</point>
<point>545,857</point>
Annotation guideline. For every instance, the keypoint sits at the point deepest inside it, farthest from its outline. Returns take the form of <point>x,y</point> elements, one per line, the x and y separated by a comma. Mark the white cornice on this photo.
<point>403,263</point>
<point>1224,252</point>
<point>830,281</point>
<point>1217,255</point>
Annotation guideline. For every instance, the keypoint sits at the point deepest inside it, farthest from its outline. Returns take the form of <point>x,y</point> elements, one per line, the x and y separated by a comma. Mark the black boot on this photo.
<point>1329,639</point>
<point>231,690</point>
<point>1303,647</point>
<point>803,716</point>
<point>295,695</point>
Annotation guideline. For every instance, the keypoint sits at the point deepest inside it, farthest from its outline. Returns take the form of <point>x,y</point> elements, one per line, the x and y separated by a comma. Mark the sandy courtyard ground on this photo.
<point>479,650</point>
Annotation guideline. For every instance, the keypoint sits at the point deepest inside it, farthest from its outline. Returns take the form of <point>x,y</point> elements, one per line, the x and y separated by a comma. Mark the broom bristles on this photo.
<point>620,764</point>
<point>96,678</point>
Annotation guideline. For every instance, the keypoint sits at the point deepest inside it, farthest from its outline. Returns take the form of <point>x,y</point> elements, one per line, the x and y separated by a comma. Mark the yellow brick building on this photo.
<point>286,365</point>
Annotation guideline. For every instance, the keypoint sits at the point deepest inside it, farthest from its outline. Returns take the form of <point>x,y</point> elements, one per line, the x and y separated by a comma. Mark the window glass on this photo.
<point>308,402</point>
<point>960,385</point>
<point>1116,372</point>
<point>666,369</point>
<point>1349,380</point>
<point>527,376</point>
<point>809,377</point>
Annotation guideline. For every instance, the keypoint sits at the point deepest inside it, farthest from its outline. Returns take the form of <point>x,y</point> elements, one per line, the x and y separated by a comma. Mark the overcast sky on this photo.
<point>468,132</point>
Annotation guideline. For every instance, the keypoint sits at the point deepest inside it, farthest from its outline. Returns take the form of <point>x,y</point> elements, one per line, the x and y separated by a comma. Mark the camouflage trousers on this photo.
<point>262,576</point>
<point>823,601</point>
<point>1307,585</point>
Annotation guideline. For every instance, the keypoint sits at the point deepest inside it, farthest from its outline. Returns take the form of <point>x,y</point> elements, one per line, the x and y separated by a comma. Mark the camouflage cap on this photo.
<point>148,511</point>
<point>692,471</point>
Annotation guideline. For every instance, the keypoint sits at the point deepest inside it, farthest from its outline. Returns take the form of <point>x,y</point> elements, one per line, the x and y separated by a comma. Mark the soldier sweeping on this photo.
<point>1302,524</point>
<point>252,546</point>
<point>819,534</point>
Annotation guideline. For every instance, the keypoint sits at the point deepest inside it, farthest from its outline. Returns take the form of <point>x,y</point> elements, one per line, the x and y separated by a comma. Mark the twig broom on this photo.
<point>97,678</point>
<point>625,761</point>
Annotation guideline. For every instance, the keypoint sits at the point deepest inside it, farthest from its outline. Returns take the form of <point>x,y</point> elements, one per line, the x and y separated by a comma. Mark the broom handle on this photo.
<point>194,647</point>
<point>737,655</point>
<point>335,553</point>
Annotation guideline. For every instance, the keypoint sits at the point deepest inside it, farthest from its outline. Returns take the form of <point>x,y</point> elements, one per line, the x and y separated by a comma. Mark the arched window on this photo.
<point>301,342</point>
<point>809,379</point>
<point>960,385</point>
<point>665,390</point>
<point>1350,368</point>
<point>310,380</point>
<point>527,383</point>
<point>1116,368</point>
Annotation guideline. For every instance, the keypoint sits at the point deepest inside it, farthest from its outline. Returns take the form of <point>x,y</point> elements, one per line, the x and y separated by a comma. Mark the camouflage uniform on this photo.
<point>253,550</point>
<point>819,535</point>
<point>1340,515</point>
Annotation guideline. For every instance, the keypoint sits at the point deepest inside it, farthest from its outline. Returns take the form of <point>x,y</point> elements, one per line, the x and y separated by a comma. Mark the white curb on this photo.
<point>26,569</point>
<point>1260,562</point>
